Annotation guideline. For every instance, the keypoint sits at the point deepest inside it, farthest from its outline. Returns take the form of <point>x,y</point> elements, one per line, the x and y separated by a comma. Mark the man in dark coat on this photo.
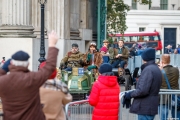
<point>146,98</point>
<point>19,90</point>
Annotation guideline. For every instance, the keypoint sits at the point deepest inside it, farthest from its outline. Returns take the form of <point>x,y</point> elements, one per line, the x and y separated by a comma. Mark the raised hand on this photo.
<point>52,38</point>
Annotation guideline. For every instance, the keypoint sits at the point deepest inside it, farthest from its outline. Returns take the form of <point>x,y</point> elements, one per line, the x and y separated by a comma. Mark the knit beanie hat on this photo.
<point>53,75</point>
<point>20,56</point>
<point>148,54</point>
<point>74,45</point>
<point>105,67</point>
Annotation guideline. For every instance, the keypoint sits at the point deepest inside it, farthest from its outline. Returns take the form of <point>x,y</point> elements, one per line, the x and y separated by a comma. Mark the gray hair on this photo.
<point>20,63</point>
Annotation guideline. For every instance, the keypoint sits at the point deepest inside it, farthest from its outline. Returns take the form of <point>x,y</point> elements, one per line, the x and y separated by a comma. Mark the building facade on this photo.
<point>161,15</point>
<point>75,21</point>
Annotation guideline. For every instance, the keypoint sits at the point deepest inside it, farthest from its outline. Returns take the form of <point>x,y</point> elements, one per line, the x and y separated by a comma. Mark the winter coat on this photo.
<point>173,76</point>
<point>73,57</point>
<point>105,98</point>
<point>54,96</point>
<point>114,52</point>
<point>19,90</point>
<point>98,60</point>
<point>146,98</point>
<point>168,51</point>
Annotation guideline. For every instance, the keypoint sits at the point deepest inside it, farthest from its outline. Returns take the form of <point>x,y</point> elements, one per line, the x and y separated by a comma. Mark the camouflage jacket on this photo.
<point>114,51</point>
<point>73,59</point>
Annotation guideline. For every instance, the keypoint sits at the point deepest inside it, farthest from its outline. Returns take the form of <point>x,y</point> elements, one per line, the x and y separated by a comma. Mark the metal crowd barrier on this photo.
<point>81,110</point>
<point>165,105</point>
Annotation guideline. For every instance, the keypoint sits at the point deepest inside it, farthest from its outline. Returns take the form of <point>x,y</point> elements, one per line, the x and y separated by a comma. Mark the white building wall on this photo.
<point>154,19</point>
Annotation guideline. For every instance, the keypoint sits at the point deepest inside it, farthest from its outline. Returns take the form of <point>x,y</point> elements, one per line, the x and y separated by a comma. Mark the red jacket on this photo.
<point>105,98</point>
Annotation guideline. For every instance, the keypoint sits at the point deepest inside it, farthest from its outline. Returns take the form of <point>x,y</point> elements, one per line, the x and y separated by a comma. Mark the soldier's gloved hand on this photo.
<point>62,65</point>
<point>91,67</point>
<point>6,64</point>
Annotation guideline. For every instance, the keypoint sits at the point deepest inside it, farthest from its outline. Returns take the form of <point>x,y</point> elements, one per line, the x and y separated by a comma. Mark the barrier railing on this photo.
<point>81,110</point>
<point>166,110</point>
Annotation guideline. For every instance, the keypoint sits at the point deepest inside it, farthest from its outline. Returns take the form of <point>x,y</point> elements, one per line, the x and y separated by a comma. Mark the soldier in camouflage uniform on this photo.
<point>73,58</point>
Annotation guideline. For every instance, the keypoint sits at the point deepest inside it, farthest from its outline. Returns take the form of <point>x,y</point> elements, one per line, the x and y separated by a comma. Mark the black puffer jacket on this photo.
<point>146,99</point>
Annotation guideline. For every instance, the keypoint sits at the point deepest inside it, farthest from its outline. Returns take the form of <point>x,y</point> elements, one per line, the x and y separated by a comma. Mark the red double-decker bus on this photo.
<point>145,39</point>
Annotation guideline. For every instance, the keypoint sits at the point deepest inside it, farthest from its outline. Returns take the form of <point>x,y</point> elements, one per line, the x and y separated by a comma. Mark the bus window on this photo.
<point>156,38</point>
<point>151,38</point>
<point>141,39</point>
<point>134,38</point>
<point>126,39</point>
<point>115,40</point>
<point>146,38</point>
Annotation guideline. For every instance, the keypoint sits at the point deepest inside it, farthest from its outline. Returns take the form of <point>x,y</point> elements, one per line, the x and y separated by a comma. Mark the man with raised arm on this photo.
<point>19,90</point>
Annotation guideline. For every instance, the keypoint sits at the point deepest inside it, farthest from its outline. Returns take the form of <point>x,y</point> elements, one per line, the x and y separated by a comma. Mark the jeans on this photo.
<point>117,62</point>
<point>146,117</point>
<point>105,59</point>
<point>164,112</point>
<point>68,69</point>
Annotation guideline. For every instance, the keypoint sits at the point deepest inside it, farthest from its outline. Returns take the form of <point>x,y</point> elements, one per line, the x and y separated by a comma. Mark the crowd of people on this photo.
<point>146,100</point>
<point>169,50</point>
<point>93,58</point>
<point>27,95</point>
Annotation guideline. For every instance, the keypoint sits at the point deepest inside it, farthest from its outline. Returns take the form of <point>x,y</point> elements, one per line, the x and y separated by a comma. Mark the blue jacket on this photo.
<point>146,98</point>
<point>178,50</point>
<point>168,51</point>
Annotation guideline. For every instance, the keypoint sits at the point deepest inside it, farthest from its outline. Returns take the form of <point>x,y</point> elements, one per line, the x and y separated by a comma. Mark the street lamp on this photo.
<point>42,46</point>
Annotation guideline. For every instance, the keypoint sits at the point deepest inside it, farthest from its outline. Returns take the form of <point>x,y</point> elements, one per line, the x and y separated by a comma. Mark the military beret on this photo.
<point>20,56</point>
<point>105,41</point>
<point>74,45</point>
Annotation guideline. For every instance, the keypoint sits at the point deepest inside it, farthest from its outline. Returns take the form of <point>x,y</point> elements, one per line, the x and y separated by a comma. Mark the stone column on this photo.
<point>75,14</point>
<point>36,17</point>
<point>84,14</point>
<point>155,5</point>
<point>16,19</point>
<point>57,17</point>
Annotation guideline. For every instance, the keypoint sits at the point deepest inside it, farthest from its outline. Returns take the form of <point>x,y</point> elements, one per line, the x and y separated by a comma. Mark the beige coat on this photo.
<point>53,102</point>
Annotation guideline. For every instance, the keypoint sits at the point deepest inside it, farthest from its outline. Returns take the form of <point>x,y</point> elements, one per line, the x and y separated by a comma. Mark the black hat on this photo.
<point>20,56</point>
<point>74,45</point>
<point>105,67</point>
<point>148,54</point>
